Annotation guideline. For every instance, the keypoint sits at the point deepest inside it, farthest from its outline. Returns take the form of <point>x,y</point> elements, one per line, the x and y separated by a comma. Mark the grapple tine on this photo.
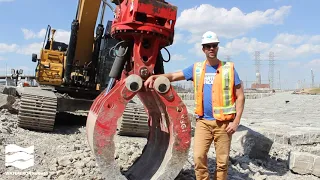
<point>169,138</point>
<point>102,126</point>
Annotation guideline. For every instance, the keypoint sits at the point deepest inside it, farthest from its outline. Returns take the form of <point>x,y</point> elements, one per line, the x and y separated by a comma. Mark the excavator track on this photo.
<point>37,109</point>
<point>38,112</point>
<point>134,121</point>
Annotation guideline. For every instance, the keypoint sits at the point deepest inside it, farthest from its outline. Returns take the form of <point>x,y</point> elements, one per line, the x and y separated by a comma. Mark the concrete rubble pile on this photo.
<point>266,146</point>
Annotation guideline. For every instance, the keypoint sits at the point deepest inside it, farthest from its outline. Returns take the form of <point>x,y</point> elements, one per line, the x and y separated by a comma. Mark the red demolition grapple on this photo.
<point>143,28</point>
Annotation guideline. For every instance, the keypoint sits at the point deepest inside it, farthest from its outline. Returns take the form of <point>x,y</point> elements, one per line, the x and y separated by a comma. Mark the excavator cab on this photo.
<point>51,44</point>
<point>49,69</point>
<point>57,46</point>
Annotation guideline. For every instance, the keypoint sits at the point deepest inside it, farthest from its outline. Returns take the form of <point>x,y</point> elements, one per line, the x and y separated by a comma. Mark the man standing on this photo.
<point>219,103</point>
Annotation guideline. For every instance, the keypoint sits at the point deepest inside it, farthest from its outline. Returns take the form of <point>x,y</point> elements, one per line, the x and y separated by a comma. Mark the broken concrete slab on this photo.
<point>20,90</point>
<point>2,88</point>
<point>304,137</point>
<point>10,90</point>
<point>295,137</point>
<point>276,137</point>
<point>304,163</point>
<point>249,142</point>
<point>316,166</point>
<point>7,102</point>
<point>3,99</point>
<point>256,95</point>
<point>315,151</point>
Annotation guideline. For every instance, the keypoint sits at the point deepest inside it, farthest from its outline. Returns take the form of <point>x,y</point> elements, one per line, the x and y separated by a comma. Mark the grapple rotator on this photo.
<point>143,27</point>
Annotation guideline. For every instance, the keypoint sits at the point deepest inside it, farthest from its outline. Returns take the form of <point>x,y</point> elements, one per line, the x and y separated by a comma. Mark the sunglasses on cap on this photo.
<point>208,46</point>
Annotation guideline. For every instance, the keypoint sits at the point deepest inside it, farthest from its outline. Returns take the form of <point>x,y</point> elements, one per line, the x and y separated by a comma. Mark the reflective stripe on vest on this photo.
<point>226,110</point>
<point>223,96</point>
<point>227,94</point>
<point>196,74</point>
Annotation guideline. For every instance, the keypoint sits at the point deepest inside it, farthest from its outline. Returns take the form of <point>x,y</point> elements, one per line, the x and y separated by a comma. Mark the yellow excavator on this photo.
<point>72,75</point>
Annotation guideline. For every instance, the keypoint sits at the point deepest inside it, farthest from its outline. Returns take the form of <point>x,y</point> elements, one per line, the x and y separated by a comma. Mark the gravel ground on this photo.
<point>65,154</point>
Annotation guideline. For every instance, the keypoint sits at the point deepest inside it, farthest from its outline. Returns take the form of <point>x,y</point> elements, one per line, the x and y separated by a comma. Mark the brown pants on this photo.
<point>206,132</point>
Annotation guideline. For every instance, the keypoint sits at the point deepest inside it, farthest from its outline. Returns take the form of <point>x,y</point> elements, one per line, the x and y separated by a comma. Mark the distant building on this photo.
<point>260,86</point>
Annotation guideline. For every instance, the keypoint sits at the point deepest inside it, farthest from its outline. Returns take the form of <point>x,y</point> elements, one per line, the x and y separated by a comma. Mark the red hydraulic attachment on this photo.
<point>143,27</point>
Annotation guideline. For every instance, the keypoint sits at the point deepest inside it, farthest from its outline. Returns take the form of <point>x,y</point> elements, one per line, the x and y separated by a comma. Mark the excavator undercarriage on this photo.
<point>39,106</point>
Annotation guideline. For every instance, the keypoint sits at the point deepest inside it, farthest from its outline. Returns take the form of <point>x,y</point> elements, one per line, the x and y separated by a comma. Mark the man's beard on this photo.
<point>212,56</point>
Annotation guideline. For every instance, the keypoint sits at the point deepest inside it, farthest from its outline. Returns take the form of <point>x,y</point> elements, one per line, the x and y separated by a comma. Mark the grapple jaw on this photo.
<point>169,132</point>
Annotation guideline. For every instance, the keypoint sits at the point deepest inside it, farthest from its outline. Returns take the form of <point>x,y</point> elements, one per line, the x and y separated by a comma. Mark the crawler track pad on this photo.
<point>37,110</point>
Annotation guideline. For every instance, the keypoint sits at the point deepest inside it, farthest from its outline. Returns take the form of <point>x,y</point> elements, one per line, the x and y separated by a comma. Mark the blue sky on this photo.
<point>287,28</point>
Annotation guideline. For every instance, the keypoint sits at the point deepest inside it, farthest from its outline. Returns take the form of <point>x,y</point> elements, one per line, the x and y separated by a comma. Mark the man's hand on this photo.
<point>232,127</point>
<point>149,82</point>
<point>176,76</point>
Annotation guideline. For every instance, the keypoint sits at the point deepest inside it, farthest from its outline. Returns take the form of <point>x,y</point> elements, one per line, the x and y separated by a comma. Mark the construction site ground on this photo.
<point>279,138</point>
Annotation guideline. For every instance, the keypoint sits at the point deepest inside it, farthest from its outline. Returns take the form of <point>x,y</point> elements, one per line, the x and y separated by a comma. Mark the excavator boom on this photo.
<point>87,18</point>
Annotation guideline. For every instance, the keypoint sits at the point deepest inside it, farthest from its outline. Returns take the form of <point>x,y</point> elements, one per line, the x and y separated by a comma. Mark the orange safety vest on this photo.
<point>223,91</point>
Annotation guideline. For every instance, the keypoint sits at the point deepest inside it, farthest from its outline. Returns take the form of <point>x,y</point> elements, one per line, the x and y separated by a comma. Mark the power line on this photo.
<point>271,69</point>
<point>312,79</point>
<point>257,61</point>
<point>279,81</point>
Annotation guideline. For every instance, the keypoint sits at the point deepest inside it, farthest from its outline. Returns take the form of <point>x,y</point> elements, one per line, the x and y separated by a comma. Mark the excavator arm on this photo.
<point>82,42</point>
<point>143,28</point>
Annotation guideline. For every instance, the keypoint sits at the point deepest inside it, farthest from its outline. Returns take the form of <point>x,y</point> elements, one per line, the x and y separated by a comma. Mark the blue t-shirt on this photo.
<point>207,89</point>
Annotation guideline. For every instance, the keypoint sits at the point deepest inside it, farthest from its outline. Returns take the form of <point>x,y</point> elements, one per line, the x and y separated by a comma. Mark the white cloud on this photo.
<point>235,47</point>
<point>2,58</point>
<point>314,39</point>
<point>314,63</point>
<point>178,37</point>
<point>30,49</point>
<point>285,38</point>
<point>282,46</point>
<point>60,35</point>
<point>6,48</point>
<point>286,52</point>
<point>245,45</point>
<point>26,49</point>
<point>226,23</point>
<point>178,57</point>
<point>29,34</point>
<point>292,39</point>
<point>197,49</point>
